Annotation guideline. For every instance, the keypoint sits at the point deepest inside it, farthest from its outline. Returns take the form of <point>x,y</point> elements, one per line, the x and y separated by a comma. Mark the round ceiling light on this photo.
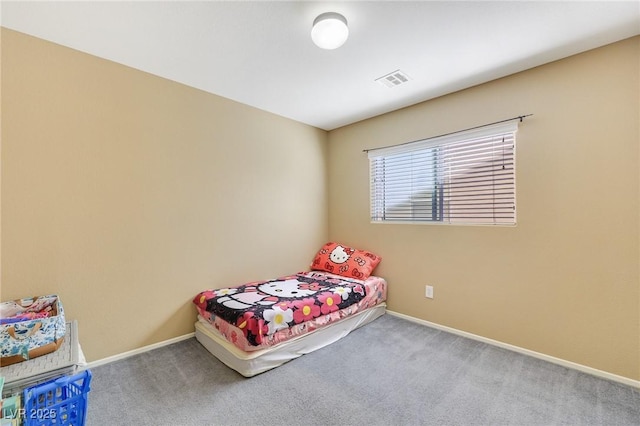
<point>329,30</point>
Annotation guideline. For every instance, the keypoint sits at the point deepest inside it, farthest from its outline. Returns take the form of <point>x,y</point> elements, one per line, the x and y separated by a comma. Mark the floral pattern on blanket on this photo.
<point>262,308</point>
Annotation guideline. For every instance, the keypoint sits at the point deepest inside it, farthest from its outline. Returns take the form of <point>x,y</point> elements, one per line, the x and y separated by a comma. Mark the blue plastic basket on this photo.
<point>62,401</point>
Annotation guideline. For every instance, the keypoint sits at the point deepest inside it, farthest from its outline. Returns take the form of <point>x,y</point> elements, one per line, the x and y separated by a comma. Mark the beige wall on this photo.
<point>127,194</point>
<point>1,32</point>
<point>565,280</point>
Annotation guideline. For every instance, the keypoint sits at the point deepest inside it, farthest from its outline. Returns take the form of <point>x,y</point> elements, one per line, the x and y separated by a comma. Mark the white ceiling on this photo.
<point>261,54</point>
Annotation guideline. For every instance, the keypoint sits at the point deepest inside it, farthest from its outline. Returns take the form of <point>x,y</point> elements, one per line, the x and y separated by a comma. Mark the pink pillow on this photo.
<point>346,261</point>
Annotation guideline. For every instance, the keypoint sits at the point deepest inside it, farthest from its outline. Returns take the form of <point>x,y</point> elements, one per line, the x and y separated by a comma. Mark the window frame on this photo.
<point>493,130</point>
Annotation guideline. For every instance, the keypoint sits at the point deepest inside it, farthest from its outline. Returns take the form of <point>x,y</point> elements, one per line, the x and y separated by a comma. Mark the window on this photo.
<point>462,178</point>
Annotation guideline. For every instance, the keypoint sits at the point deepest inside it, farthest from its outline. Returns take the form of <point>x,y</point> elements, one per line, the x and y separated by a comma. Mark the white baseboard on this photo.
<point>143,349</point>
<point>554,360</point>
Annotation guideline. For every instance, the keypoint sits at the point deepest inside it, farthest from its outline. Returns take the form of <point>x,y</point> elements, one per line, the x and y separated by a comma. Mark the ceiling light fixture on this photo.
<point>329,30</point>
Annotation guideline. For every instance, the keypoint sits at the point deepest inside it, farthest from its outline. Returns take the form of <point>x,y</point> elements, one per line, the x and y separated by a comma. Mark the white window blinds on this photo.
<point>462,178</point>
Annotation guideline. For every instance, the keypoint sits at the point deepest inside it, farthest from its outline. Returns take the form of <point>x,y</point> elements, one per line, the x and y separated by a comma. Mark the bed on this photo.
<point>257,326</point>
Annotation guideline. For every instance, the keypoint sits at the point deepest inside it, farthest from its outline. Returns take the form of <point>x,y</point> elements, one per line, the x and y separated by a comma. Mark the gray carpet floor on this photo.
<point>390,372</point>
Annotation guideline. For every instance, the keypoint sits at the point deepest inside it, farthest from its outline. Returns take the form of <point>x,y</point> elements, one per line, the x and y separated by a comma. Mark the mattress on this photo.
<point>255,362</point>
<point>261,325</point>
<point>259,315</point>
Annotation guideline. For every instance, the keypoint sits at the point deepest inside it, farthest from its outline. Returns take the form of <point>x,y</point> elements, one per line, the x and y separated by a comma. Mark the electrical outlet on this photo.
<point>428,292</point>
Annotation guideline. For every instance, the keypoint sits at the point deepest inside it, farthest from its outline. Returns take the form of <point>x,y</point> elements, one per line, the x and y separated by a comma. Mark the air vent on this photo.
<point>393,79</point>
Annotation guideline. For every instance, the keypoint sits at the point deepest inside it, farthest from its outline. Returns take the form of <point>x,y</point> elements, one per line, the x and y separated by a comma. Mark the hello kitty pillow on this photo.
<point>346,261</point>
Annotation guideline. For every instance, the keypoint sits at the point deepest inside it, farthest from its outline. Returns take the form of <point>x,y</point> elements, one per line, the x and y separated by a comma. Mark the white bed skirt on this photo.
<point>251,363</point>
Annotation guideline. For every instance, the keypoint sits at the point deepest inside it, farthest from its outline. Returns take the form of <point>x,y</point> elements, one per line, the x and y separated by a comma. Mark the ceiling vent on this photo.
<point>393,79</point>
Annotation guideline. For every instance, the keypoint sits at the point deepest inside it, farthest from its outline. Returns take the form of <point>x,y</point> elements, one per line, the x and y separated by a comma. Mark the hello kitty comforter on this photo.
<point>261,314</point>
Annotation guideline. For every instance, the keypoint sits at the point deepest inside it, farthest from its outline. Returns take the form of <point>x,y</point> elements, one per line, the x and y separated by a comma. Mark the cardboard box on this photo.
<point>30,327</point>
